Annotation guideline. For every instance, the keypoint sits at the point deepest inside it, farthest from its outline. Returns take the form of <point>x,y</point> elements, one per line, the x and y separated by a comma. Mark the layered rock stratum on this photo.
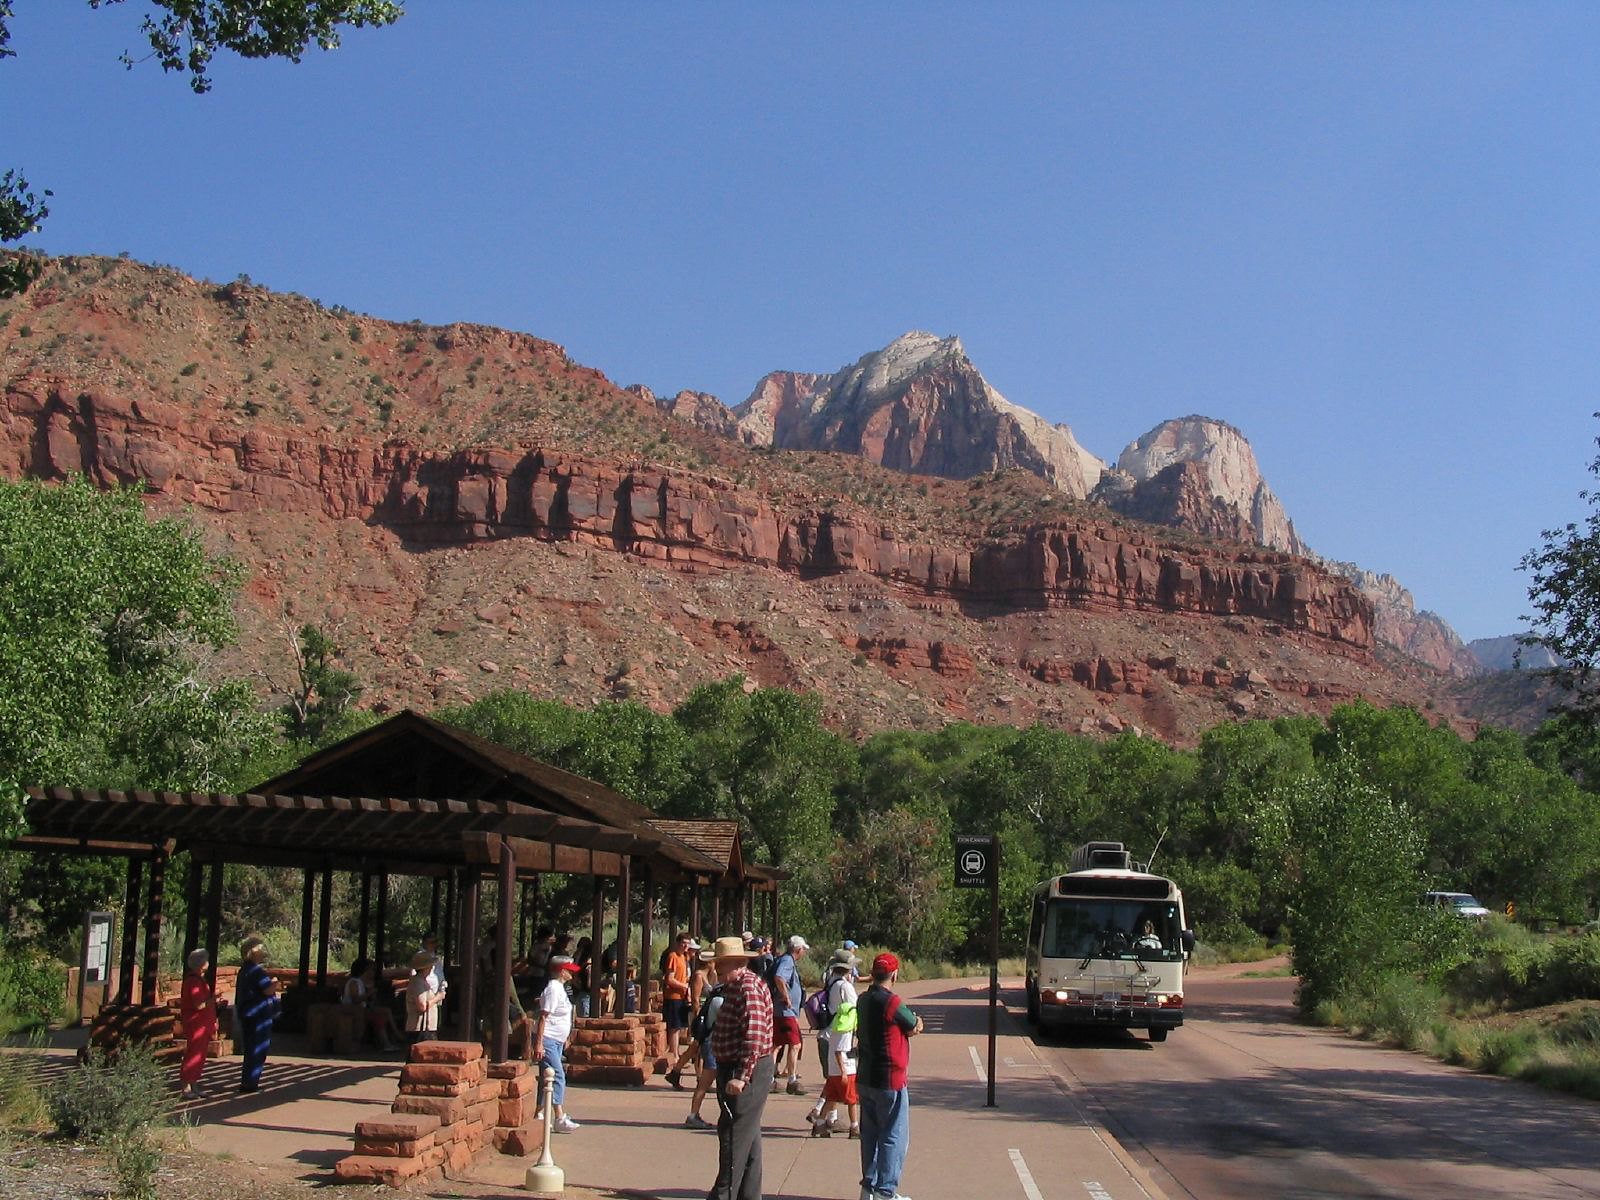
<point>465,508</point>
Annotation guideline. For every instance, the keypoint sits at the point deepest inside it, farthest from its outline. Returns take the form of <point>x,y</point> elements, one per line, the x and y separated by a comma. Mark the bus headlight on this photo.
<point>1066,995</point>
<point>1159,997</point>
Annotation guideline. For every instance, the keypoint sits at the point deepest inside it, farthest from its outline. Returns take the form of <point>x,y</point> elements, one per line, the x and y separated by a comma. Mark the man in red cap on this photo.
<point>883,1029</point>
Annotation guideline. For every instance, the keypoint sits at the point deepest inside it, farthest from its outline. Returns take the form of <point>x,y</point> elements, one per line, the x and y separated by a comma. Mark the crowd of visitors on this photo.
<point>733,1014</point>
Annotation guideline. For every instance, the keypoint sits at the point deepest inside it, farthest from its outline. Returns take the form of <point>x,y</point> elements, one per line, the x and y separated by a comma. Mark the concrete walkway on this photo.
<point>1038,1143</point>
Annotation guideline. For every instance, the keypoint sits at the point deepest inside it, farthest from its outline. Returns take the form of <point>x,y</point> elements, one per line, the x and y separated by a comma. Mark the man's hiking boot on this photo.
<point>794,1088</point>
<point>675,1078</point>
<point>696,1121</point>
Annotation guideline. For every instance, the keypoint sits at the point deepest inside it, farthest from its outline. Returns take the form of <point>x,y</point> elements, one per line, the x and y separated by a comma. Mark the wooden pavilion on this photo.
<point>409,796</point>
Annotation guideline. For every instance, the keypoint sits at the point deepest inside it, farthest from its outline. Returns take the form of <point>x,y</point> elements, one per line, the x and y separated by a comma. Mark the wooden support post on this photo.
<point>324,918</point>
<point>694,911</point>
<point>469,956</point>
<point>130,931</point>
<point>716,910</point>
<point>193,904</point>
<point>647,960</point>
<point>501,1025</point>
<point>774,923</point>
<point>522,919</point>
<point>380,928</point>
<point>624,903</point>
<point>363,926</point>
<point>308,896</point>
<point>214,921</point>
<point>672,912</point>
<point>433,906</point>
<point>155,899</point>
<point>597,925</point>
<point>448,933</point>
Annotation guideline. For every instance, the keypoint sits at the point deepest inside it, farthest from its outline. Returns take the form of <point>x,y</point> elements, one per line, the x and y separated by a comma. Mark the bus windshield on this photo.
<point>1111,928</point>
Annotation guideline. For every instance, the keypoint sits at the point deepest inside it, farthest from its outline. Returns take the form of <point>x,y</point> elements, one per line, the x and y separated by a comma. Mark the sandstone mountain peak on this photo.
<point>1231,473</point>
<point>919,405</point>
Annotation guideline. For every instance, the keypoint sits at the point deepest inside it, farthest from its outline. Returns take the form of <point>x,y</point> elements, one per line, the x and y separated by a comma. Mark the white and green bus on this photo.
<point>1106,946</point>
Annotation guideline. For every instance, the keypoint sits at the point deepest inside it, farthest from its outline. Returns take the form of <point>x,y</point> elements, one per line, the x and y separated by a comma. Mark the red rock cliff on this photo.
<point>684,520</point>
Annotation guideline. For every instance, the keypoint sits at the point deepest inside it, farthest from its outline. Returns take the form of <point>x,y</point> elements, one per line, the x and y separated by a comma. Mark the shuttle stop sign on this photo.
<point>975,855</point>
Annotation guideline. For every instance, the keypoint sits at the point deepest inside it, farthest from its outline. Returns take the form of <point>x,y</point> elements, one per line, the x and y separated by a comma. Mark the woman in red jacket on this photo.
<point>198,1009</point>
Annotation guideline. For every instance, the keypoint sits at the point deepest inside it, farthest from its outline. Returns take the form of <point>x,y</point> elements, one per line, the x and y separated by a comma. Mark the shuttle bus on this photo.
<point>1106,946</point>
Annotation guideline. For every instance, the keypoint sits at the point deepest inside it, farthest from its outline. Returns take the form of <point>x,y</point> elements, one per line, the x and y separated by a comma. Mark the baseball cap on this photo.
<point>885,963</point>
<point>562,962</point>
<point>796,942</point>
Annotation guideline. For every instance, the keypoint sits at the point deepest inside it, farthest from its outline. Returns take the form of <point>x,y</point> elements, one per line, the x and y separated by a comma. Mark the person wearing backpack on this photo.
<point>836,1051</point>
<point>787,996</point>
<point>705,1019</point>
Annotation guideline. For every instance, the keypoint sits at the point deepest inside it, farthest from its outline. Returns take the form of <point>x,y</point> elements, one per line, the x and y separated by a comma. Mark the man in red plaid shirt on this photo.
<point>741,1042</point>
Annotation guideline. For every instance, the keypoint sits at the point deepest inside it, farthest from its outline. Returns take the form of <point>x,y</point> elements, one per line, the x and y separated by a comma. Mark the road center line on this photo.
<point>1029,1188</point>
<point>977,1064</point>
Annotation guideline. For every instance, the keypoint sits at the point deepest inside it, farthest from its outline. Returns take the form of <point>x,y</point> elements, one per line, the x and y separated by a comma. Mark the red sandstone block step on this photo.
<point>442,1072</point>
<point>523,1140</point>
<point>397,1128</point>
<point>407,1149</point>
<point>446,1052</point>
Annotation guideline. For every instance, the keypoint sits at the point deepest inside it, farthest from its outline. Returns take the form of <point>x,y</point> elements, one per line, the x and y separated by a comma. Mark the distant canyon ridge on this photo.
<point>465,508</point>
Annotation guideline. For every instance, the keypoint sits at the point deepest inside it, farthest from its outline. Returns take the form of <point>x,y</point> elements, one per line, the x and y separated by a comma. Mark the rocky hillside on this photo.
<point>465,508</point>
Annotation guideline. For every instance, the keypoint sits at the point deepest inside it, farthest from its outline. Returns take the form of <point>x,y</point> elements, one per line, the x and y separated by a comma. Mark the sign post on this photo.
<point>978,865</point>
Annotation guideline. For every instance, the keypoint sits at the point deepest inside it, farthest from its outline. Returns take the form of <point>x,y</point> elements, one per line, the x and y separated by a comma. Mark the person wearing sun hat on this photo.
<point>423,998</point>
<point>883,1027</point>
<point>552,1033</point>
<point>741,1042</point>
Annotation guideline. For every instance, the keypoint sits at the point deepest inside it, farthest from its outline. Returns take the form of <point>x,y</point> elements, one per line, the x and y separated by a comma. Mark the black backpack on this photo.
<point>700,1027</point>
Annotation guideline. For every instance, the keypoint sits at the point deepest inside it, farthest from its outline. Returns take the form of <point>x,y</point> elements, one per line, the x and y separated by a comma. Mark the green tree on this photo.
<point>1565,594</point>
<point>106,618</point>
<point>324,694</point>
<point>1353,855</point>
<point>184,35</point>
<point>765,758</point>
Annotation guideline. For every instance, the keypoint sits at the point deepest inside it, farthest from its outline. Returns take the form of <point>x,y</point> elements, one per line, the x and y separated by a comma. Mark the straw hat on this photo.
<point>727,947</point>
<point>422,960</point>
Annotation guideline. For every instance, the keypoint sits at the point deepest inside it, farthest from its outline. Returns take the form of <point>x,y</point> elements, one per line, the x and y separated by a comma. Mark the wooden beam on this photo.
<point>597,925</point>
<point>308,896</point>
<point>192,903</point>
<point>501,1021</point>
<point>130,930</point>
<point>469,955</point>
<point>155,902</point>
<point>214,921</point>
<point>324,916</point>
<point>624,903</point>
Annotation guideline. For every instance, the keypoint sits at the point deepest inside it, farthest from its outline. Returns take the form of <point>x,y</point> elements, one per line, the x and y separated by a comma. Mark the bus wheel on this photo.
<point>1033,1006</point>
<point>1158,1035</point>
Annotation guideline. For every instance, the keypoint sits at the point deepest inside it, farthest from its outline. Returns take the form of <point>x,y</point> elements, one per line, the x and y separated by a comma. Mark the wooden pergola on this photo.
<point>408,796</point>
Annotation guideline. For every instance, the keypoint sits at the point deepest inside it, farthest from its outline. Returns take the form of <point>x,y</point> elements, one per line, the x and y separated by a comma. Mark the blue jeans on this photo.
<point>885,1137</point>
<point>552,1058</point>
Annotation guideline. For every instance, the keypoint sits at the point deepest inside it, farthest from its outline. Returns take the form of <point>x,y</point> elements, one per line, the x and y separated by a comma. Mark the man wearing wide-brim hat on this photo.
<point>741,1042</point>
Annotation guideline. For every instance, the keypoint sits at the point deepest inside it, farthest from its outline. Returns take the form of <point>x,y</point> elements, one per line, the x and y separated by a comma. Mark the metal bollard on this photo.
<point>544,1176</point>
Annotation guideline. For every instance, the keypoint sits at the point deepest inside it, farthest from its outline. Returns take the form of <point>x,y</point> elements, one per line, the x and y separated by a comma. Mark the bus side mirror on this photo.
<point>1186,939</point>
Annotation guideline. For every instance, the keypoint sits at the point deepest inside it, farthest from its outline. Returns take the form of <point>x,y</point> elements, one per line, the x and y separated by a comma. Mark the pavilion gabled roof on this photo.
<point>413,755</point>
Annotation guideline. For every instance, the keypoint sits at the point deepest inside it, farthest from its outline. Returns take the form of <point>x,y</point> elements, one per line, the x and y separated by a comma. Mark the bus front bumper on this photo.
<point>1117,1012</point>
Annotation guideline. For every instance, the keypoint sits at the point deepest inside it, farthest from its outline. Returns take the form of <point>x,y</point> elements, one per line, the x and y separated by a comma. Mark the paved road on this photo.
<point>1243,1102</point>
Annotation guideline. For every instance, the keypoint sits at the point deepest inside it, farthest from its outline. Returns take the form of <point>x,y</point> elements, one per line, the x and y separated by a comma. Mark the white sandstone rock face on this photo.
<point>919,405</point>
<point>1230,465</point>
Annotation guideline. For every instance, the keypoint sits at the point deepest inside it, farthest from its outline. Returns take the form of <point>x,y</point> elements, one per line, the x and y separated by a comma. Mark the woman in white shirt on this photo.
<point>552,1034</point>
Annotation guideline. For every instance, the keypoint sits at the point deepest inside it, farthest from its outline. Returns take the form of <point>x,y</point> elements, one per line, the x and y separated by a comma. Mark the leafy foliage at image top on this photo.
<point>184,35</point>
<point>1565,594</point>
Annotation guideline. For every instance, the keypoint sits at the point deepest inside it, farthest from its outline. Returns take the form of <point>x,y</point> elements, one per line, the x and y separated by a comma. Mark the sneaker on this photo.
<point>675,1078</point>
<point>696,1121</point>
<point>855,1133</point>
<point>566,1125</point>
<point>794,1088</point>
<point>821,1129</point>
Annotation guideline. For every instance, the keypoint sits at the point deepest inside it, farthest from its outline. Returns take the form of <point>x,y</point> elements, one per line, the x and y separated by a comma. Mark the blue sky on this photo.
<point>1365,234</point>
